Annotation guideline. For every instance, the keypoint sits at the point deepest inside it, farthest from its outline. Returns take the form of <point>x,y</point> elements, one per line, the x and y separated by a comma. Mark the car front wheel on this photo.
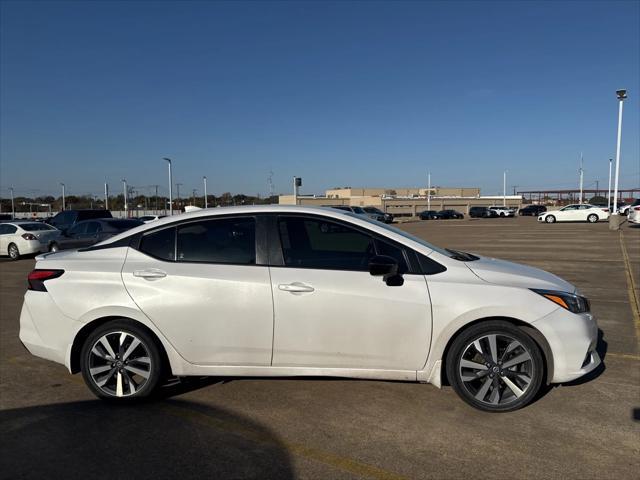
<point>550,219</point>
<point>494,366</point>
<point>593,218</point>
<point>121,361</point>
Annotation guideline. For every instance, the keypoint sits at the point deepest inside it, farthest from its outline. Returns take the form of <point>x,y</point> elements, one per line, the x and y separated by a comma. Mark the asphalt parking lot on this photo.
<point>52,427</point>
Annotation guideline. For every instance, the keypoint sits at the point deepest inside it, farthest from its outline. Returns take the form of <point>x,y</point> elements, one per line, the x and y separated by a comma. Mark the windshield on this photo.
<point>35,227</point>
<point>357,210</point>
<point>443,251</point>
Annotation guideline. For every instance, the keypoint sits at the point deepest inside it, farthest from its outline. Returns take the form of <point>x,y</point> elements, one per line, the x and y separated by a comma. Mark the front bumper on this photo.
<point>573,339</point>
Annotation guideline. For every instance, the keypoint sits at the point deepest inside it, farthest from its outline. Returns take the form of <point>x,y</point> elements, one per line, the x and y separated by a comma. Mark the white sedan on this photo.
<point>24,237</point>
<point>575,213</point>
<point>299,291</point>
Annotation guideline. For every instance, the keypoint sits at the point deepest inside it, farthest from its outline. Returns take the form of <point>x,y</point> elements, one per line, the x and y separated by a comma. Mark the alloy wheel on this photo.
<point>14,253</point>
<point>119,364</point>
<point>496,369</point>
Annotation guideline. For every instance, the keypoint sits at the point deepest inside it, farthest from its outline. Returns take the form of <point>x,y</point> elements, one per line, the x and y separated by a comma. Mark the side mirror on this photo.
<point>387,268</point>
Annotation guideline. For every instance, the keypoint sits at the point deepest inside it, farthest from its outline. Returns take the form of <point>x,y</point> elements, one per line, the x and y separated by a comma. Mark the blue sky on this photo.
<point>340,93</point>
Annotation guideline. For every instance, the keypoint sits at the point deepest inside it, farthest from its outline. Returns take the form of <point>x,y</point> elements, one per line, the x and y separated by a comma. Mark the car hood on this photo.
<point>501,272</point>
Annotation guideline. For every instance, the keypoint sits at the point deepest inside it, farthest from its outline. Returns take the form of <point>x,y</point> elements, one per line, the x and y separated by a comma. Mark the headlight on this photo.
<point>573,303</point>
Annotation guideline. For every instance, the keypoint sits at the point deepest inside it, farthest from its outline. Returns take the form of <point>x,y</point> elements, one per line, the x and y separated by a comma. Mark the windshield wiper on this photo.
<point>462,256</point>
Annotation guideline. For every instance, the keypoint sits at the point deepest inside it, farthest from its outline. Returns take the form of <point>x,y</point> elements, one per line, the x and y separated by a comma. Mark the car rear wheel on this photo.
<point>13,251</point>
<point>593,218</point>
<point>494,366</point>
<point>550,219</point>
<point>121,361</point>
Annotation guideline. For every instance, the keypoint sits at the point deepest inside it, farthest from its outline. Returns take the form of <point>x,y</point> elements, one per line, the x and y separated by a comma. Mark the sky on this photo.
<point>361,94</point>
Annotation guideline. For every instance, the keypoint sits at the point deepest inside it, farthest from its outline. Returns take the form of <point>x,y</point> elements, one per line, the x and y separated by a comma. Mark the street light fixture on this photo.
<point>170,187</point>
<point>621,94</point>
<point>126,205</point>
<point>13,208</point>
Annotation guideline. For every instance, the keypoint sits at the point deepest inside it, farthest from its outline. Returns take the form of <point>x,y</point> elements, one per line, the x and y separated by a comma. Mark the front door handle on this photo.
<point>295,287</point>
<point>150,274</point>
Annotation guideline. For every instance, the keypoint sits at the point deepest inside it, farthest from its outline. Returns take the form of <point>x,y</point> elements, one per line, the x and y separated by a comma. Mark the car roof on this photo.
<point>358,220</point>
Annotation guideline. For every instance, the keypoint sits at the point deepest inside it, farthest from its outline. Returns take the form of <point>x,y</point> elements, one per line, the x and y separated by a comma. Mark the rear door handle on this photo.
<point>150,274</point>
<point>295,287</point>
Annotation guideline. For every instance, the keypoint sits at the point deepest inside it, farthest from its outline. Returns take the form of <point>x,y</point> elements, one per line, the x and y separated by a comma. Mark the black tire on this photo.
<point>593,218</point>
<point>550,219</point>
<point>13,252</point>
<point>507,399</point>
<point>149,348</point>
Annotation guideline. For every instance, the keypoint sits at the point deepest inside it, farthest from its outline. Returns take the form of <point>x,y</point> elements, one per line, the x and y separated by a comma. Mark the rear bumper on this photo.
<point>44,330</point>
<point>572,339</point>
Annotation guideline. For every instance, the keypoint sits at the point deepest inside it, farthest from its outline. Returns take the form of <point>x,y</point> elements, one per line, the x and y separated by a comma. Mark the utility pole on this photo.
<point>106,196</point>
<point>622,94</point>
<point>13,208</point>
<point>170,188</point>
<point>581,171</point>
<point>193,192</point>
<point>514,189</point>
<point>297,182</point>
<point>270,181</point>
<point>156,206</point>
<point>178,194</point>
<point>126,194</point>
<point>609,190</point>
<point>206,201</point>
<point>64,206</point>
<point>597,187</point>
<point>428,190</point>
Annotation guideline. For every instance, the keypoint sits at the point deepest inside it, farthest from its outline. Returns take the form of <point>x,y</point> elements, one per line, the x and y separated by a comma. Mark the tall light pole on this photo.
<point>170,187</point>
<point>178,194</point>
<point>622,94</point>
<point>504,188</point>
<point>106,196</point>
<point>126,194</point>
<point>429,191</point>
<point>581,172</point>
<point>297,182</point>
<point>206,203</point>
<point>64,205</point>
<point>13,208</point>
<point>609,191</point>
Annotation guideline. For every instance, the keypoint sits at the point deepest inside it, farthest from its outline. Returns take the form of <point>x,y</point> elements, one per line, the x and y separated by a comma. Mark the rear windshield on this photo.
<point>90,214</point>
<point>123,225</point>
<point>35,227</point>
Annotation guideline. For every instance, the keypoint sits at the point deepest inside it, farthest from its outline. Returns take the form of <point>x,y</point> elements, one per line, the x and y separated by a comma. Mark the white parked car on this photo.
<point>633,213</point>
<point>24,238</point>
<point>289,291</point>
<point>504,211</point>
<point>575,213</point>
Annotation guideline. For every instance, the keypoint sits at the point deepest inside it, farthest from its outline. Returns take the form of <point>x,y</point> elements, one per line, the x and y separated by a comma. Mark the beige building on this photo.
<point>404,201</point>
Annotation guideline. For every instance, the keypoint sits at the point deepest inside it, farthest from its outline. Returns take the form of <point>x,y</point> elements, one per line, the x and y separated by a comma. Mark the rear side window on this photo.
<point>7,229</point>
<point>160,244</point>
<point>35,227</point>
<point>225,240</point>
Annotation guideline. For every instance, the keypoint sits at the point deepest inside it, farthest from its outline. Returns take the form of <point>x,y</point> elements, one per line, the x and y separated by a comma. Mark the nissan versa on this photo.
<point>286,291</point>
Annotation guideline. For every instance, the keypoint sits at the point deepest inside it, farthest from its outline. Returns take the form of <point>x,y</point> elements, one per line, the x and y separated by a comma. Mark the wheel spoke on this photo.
<point>512,386</point>
<point>478,347</point>
<point>119,385</point>
<point>493,347</point>
<point>105,343</point>
<point>523,357</point>
<point>494,398</point>
<point>146,360</point>
<point>137,371</point>
<point>132,347</point>
<point>102,382</point>
<point>512,346</point>
<point>101,355</point>
<point>473,365</point>
<point>96,370</point>
<point>484,389</point>
<point>130,382</point>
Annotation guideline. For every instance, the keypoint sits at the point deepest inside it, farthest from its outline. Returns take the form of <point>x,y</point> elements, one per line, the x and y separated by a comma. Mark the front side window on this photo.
<point>93,227</point>
<point>225,240</point>
<point>323,244</point>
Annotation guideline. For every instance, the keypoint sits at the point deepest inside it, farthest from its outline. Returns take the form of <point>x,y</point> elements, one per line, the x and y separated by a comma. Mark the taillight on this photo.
<point>37,278</point>
<point>29,236</point>
<point>605,209</point>
<point>636,208</point>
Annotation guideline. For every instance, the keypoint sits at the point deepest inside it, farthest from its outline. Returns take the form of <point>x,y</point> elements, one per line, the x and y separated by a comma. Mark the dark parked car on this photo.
<point>90,232</point>
<point>482,212</point>
<point>6,217</point>
<point>532,210</point>
<point>65,220</point>
<point>429,215</point>
<point>448,214</point>
<point>382,216</point>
